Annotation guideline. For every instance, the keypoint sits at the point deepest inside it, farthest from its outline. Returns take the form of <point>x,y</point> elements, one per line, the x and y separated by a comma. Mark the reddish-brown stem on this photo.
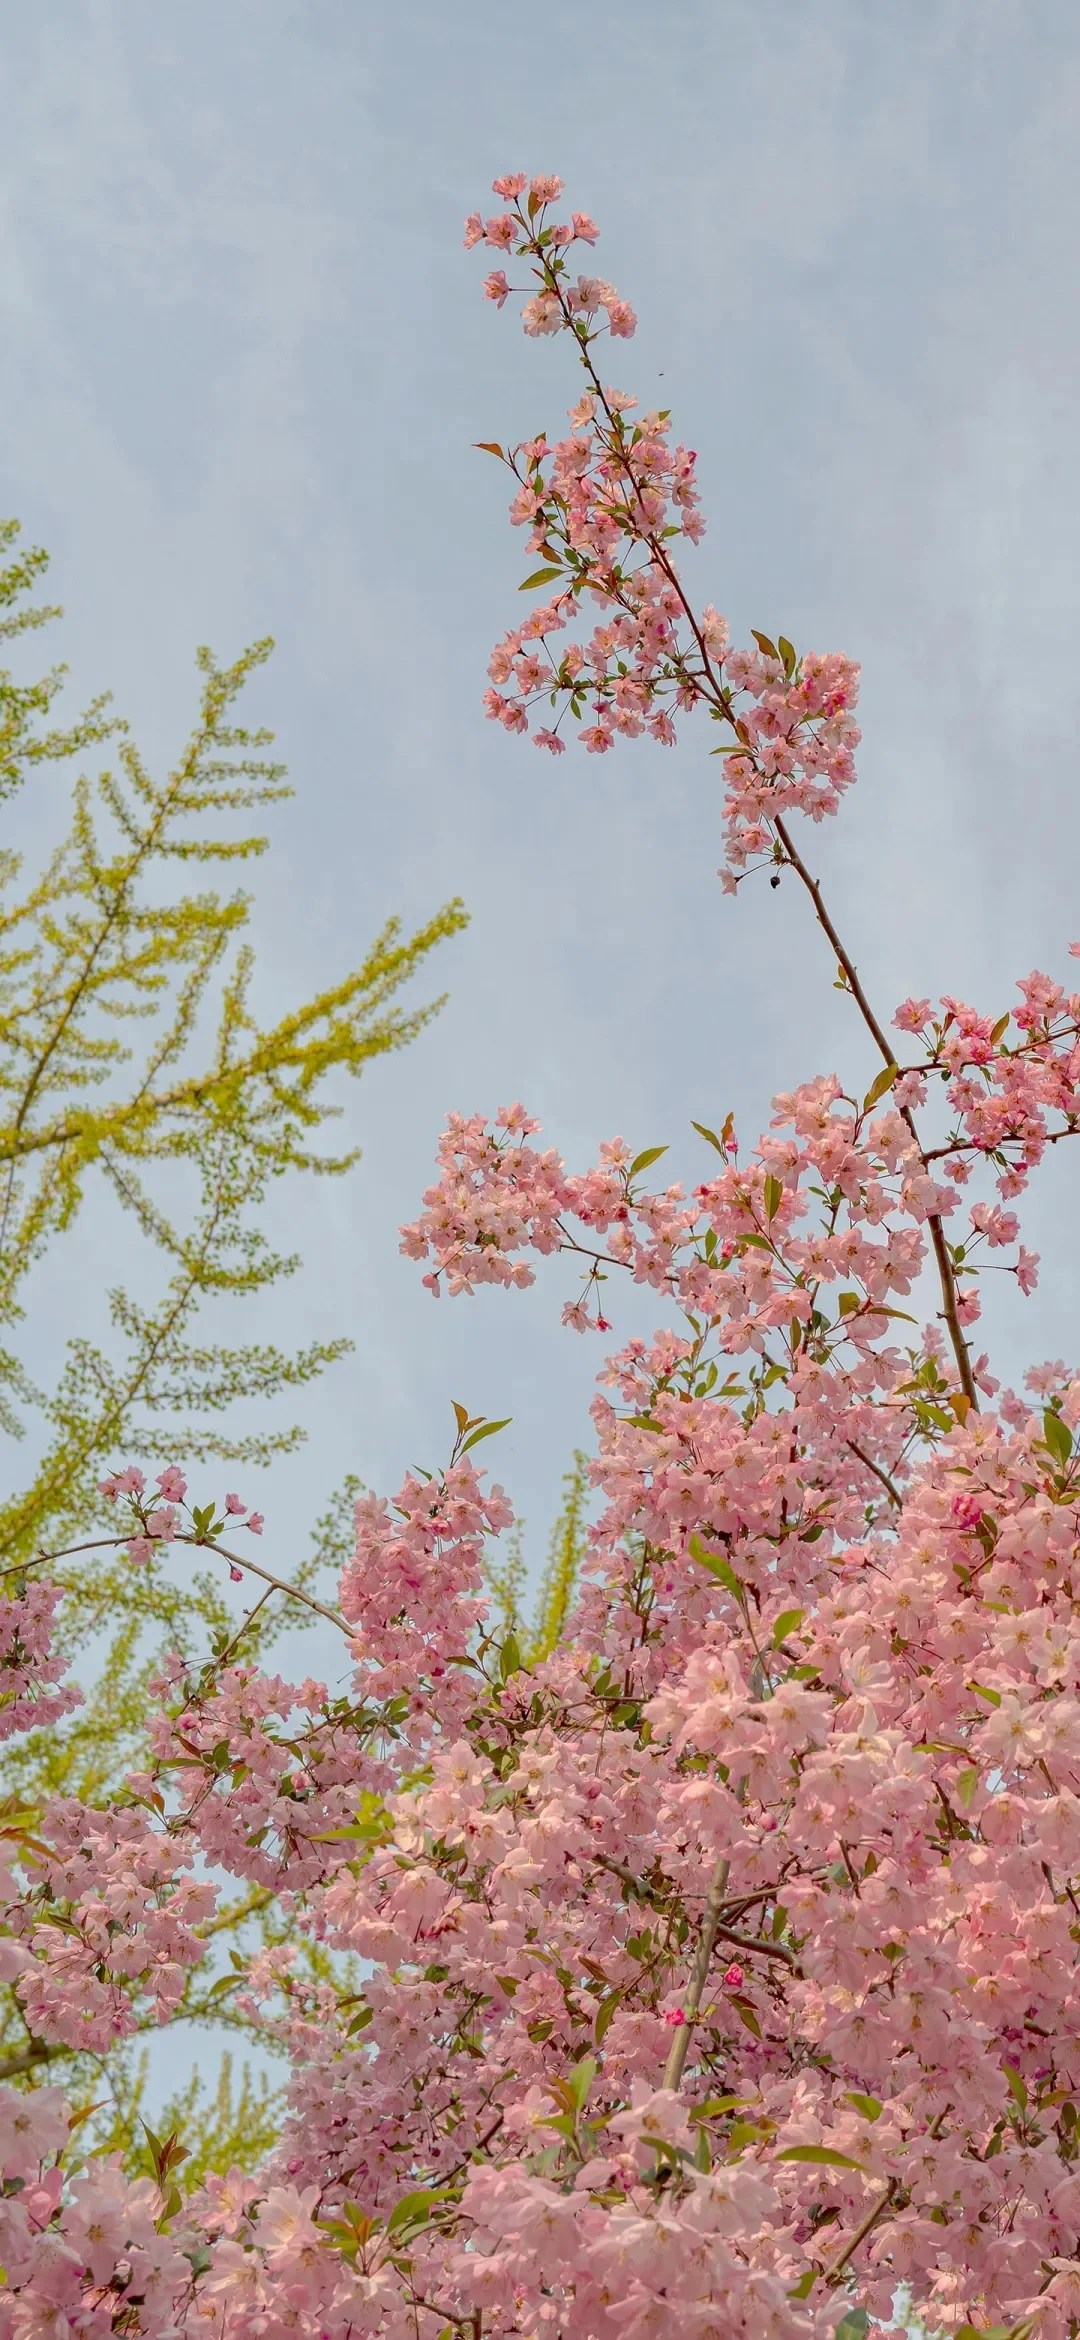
<point>202,1544</point>
<point>946,1273</point>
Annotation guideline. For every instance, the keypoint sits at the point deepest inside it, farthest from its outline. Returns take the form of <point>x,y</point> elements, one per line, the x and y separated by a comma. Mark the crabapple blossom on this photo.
<point>718,1961</point>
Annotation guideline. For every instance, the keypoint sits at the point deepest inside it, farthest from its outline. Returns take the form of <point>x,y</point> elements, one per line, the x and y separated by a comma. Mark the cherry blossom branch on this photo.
<point>206,1544</point>
<point>777,1950</point>
<point>839,2265</point>
<point>946,1271</point>
<point>699,1974</point>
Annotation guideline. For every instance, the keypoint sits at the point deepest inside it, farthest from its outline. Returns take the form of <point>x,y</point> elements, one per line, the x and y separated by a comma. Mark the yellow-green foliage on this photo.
<point>107,938</point>
<point>130,1053</point>
<point>559,1581</point>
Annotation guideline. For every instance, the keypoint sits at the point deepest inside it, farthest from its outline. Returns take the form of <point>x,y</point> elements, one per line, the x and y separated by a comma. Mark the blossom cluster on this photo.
<point>603,507</point>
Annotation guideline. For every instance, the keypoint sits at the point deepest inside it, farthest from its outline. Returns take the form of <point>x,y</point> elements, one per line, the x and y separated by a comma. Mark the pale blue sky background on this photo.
<point>244,359</point>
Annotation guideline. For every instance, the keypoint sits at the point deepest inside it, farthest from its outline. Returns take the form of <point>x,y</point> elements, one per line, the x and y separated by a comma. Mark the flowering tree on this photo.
<point>718,1962</point>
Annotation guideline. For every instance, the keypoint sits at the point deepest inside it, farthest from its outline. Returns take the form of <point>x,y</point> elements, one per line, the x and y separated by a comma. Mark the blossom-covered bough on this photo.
<point>719,1967</point>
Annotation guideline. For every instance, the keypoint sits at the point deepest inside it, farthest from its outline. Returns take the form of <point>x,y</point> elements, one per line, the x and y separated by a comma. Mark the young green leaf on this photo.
<point>878,1088</point>
<point>1017,2087</point>
<point>774,1195</point>
<point>539,577</point>
<point>486,1430</point>
<point>717,1566</point>
<point>785,1624</point>
<point>1058,1437</point>
<point>580,2080</point>
<point>642,1161</point>
<point>822,2153</point>
<point>415,2209</point>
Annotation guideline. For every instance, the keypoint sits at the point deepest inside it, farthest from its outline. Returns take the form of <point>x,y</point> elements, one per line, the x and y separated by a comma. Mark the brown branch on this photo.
<point>710,1924</point>
<point>891,1491</point>
<point>946,1273</point>
<point>756,1942</point>
<point>832,2274</point>
<point>26,2058</point>
<point>201,1544</point>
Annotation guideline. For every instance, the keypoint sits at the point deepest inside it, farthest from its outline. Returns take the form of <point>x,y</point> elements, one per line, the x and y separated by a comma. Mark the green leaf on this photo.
<point>539,577</point>
<point>748,2013</point>
<point>580,2080</point>
<point>415,2209</point>
<point>850,1303</point>
<point>992,1697</point>
<point>787,653</point>
<point>510,1660</point>
<point>604,2014</point>
<point>868,2106</point>
<point>709,1134</point>
<point>486,1430</point>
<point>877,1088</point>
<point>853,2325</point>
<point>768,649</point>
<point>774,1195</point>
<point>966,1784</point>
<point>1058,1437</point>
<point>717,1566</point>
<point>642,1161</point>
<point>803,2288</point>
<point>786,1624</point>
<point>1017,2087</point>
<point>716,2105</point>
<point>822,2153</point>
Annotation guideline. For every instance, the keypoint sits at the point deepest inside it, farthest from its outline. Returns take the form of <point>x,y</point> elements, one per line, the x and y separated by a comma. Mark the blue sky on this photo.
<point>245,359</point>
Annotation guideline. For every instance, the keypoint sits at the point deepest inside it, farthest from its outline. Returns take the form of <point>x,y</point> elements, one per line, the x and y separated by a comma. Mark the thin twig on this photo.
<point>202,1544</point>
<point>946,1274</point>
<point>756,1942</point>
<point>891,1491</point>
<point>884,2202</point>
